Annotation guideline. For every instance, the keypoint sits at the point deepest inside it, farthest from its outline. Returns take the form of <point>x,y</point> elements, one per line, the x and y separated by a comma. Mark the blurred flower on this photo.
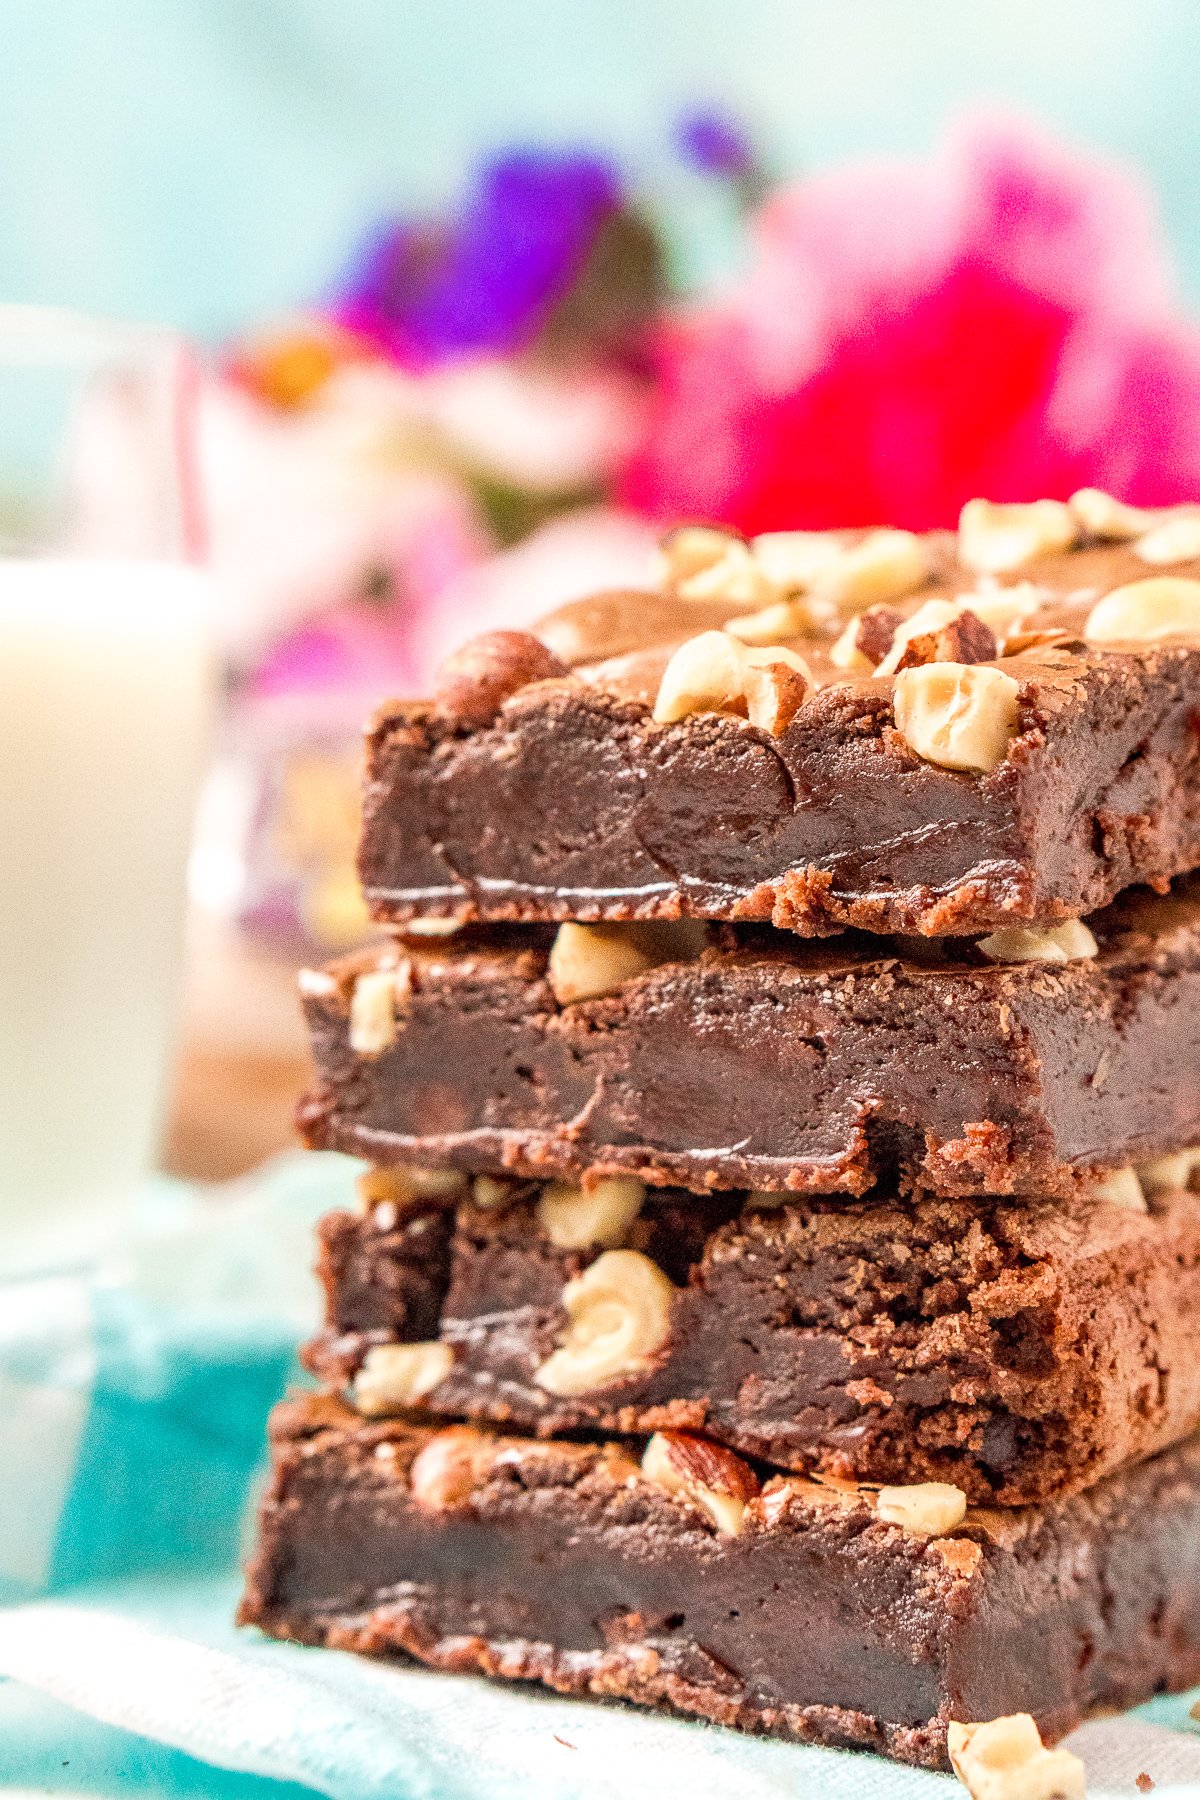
<point>996,321</point>
<point>714,142</point>
<point>490,279</point>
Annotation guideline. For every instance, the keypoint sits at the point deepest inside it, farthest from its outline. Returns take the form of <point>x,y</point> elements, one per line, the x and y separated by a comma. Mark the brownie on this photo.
<point>1019,1350</point>
<point>769,1062</point>
<point>538,784</point>
<point>817,1618</point>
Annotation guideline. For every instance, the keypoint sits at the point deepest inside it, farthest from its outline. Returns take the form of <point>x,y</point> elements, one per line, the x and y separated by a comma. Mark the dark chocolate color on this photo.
<point>774,1063</point>
<point>572,803</point>
<point>817,1622</point>
<point>1018,1350</point>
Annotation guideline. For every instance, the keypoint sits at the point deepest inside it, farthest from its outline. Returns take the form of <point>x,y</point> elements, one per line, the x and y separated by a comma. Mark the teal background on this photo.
<point>209,161</point>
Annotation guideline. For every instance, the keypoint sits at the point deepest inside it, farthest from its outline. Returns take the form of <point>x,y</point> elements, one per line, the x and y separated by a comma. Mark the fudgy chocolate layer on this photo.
<point>1018,1350</point>
<point>560,1563</point>
<point>774,1063</point>
<point>571,802</point>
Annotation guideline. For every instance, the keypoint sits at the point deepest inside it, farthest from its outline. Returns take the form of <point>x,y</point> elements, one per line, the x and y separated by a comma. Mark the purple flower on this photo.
<point>714,142</point>
<point>488,279</point>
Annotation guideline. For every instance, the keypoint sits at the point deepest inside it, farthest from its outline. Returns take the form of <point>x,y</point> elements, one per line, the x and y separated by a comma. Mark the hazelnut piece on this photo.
<point>489,1193</point>
<point>1144,612</point>
<point>735,577</point>
<point>994,539</point>
<point>1175,539</point>
<point>1007,610</point>
<point>1069,942</point>
<point>930,1507</point>
<point>394,1376</point>
<point>963,639</point>
<point>867,639</point>
<point>1164,1174</point>
<point>715,673</point>
<point>589,960</point>
<point>1121,1187</point>
<point>619,1317</point>
<point>885,565</point>
<point>708,1476</point>
<point>690,548</point>
<point>448,1469</point>
<point>379,996</point>
<point>1005,1759</point>
<point>783,619</point>
<point>1100,516</point>
<point>794,559</point>
<point>958,716</point>
<point>399,1187</point>
<point>575,1218</point>
<point>475,681</point>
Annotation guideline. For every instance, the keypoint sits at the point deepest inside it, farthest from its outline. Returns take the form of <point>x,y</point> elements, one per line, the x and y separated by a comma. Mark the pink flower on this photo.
<point>998,320</point>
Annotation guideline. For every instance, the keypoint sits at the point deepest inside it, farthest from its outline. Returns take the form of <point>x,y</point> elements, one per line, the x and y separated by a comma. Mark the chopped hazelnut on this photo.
<point>434,928</point>
<point>1176,539</point>
<point>1164,1174</point>
<point>575,1218</point>
<point>449,1468</point>
<point>399,1187</point>
<point>489,1193</point>
<point>930,1507</point>
<point>690,548</point>
<point>794,559</point>
<point>994,539</point>
<point>1121,1187</point>
<point>379,996</point>
<point>706,1475</point>
<point>957,716</point>
<point>716,673</point>
<point>1100,516</point>
<point>940,631</point>
<point>475,681</point>
<point>1005,1759</point>
<point>783,619</point>
<point>587,961</point>
<point>1143,612</point>
<point>394,1376</point>
<point>928,618</point>
<point>315,984</point>
<point>619,1317</point>
<point>736,576</point>
<point>885,565</point>
<point>867,639</point>
<point>1007,610</point>
<point>1069,942</point>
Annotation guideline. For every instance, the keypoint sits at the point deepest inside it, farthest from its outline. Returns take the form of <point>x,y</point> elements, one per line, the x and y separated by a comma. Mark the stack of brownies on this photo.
<point>776,1293</point>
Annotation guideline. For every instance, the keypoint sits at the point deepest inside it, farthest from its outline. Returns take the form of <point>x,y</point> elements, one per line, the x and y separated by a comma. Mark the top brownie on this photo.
<point>940,734</point>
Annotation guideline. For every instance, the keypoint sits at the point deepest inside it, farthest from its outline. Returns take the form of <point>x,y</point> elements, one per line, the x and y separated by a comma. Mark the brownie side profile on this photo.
<point>817,1620</point>
<point>769,1062</point>
<point>562,797</point>
<point>1016,1349</point>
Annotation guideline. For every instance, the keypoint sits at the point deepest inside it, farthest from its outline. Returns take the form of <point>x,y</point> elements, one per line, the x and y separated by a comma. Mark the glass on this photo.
<point>106,690</point>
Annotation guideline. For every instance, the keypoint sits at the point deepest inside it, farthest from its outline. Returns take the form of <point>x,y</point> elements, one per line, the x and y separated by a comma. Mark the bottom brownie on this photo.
<point>799,1608</point>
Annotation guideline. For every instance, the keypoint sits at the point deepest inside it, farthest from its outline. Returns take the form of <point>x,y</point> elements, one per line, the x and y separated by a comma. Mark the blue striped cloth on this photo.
<point>132,1407</point>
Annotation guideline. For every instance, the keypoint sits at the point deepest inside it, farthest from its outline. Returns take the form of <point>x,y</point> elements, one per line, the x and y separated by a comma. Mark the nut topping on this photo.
<point>957,716</point>
<point>394,1376</point>
<point>735,577</point>
<point>1144,612</point>
<point>716,673</point>
<point>400,1187</point>
<point>706,1475</point>
<point>794,559</point>
<point>1069,942</point>
<point>1164,1174</point>
<point>489,1193</point>
<point>995,539</point>
<point>1006,610</point>
<point>1176,539</point>
<point>575,1218</point>
<point>940,631</point>
<point>380,995</point>
<point>1100,516</point>
<point>619,1317</point>
<point>930,1507</point>
<point>1121,1187</point>
<point>691,548</point>
<point>1005,1759</point>
<point>784,619</point>
<point>587,961</point>
<point>867,639</point>
<point>475,681</point>
<point>885,565</point>
<point>450,1467</point>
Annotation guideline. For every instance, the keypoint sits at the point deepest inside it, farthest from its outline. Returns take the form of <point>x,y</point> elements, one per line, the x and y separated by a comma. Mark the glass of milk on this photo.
<point>106,690</point>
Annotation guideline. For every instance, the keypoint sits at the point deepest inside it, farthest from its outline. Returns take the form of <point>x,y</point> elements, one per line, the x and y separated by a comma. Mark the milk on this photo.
<point>105,695</point>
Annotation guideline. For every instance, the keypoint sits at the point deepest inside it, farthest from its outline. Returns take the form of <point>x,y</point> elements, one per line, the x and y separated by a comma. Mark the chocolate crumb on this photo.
<point>1142,1783</point>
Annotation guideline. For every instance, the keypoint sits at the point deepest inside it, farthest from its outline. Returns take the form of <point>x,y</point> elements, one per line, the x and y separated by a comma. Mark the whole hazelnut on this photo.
<point>475,681</point>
